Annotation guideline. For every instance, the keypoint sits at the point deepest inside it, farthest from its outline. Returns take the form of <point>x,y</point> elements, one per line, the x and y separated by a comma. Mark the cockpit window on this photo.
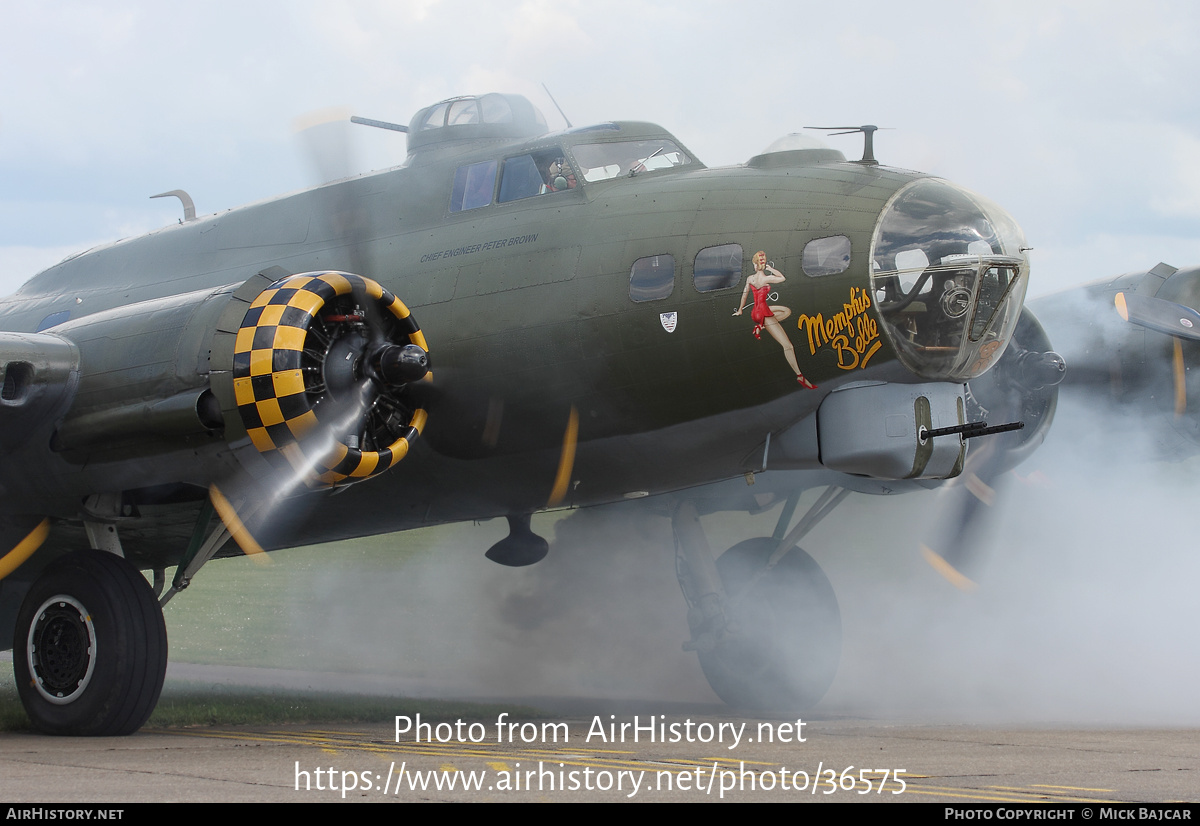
<point>473,186</point>
<point>538,173</point>
<point>602,161</point>
<point>949,274</point>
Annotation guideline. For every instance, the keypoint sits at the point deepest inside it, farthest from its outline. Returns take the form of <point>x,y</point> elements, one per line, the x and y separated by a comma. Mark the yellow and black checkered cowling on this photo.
<point>269,386</point>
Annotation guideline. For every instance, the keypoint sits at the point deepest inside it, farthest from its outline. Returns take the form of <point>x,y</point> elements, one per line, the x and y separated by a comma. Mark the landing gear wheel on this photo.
<point>785,638</point>
<point>90,650</point>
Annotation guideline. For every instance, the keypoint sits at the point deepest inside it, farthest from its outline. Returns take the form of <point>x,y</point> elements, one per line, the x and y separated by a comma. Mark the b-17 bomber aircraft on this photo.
<point>1131,342</point>
<point>510,321</point>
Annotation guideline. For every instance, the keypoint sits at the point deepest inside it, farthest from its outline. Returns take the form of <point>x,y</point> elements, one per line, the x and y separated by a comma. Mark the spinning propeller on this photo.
<point>328,369</point>
<point>1021,387</point>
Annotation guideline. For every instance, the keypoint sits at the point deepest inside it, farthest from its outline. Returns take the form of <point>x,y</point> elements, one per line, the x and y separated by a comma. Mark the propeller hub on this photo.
<point>1037,370</point>
<point>340,369</point>
<point>398,365</point>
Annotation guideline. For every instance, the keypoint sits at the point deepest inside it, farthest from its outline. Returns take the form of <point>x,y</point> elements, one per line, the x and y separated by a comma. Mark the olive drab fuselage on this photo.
<point>593,304</point>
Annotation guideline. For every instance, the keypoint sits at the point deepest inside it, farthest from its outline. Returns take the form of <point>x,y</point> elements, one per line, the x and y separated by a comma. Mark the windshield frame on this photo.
<point>952,316</point>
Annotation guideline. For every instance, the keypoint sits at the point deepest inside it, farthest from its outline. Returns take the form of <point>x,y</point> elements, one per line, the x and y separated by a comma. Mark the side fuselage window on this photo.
<point>473,186</point>
<point>652,278</point>
<point>717,268</point>
<point>826,256</point>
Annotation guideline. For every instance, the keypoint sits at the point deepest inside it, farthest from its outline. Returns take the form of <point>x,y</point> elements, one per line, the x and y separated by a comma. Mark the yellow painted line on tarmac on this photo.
<point>291,740</point>
<point>955,792</point>
<point>735,761</point>
<point>318,738</point>
<point>1052,792</point>
<point>573,757</point>
<point>982,794</point>
<point>1073,788</point>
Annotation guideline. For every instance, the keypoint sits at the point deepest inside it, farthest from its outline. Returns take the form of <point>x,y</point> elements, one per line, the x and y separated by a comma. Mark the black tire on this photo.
<point>782,653</point>
<point>90,647</point>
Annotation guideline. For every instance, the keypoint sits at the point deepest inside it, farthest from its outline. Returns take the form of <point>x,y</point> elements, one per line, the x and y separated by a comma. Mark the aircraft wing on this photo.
<point>1130,342</point>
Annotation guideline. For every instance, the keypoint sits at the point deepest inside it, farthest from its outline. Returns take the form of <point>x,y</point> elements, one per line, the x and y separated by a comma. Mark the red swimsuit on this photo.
<point>760,312</point>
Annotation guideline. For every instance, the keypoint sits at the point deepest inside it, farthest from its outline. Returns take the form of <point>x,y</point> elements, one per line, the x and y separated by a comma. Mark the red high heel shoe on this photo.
<point>805,383</point>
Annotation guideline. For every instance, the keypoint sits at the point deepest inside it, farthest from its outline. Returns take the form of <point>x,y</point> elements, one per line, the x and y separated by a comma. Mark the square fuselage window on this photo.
<point>652,278</point>
<point>717,268</point>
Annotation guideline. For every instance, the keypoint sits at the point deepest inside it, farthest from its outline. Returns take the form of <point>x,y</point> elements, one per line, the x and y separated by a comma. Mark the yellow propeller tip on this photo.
<point>1122,310</point>
<point>24,549</point>
<point>228,514</point>
<point>566,461</point>
<point>947,570</point>
<point>980,489</point>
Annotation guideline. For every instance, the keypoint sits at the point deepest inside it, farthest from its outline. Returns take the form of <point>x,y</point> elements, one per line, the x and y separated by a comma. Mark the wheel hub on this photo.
<point>61,649</point>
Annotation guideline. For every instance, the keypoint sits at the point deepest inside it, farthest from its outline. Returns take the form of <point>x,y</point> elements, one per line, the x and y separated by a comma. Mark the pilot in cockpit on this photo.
<point>558,176</point>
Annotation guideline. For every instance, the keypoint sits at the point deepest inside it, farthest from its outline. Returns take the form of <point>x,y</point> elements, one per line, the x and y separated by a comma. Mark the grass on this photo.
<point>406,605</point>
<point>245,613</point>
<point>186,704</point>
<point>12,716</point>
<point>182,706</point>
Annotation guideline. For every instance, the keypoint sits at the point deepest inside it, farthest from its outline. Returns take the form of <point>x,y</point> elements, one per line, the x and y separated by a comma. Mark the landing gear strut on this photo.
<point>764,618</point>
<point>90,649</point>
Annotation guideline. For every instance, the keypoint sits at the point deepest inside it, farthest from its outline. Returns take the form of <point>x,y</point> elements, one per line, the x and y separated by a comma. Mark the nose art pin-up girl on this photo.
<point>767,317</point>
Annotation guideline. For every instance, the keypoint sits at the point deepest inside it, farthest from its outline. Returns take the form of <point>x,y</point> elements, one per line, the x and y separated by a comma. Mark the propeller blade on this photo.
<point>237,529</point>
<point>1022,386</point>
<point>325,134</point>
<point>1180,371</point>
<point>260,499</point>
<point>24,549</point>
<point>948,571</point>
<point>963,516</point>
<point>326,139</point>
<point>566,461</point>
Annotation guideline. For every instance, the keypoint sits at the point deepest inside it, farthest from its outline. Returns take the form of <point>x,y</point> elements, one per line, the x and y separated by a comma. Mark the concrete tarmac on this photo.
<point>609,752</point>
<point>1069,677</point>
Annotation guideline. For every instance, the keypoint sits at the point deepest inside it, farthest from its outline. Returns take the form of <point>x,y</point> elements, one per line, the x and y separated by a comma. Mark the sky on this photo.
<point>1080,118</point>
